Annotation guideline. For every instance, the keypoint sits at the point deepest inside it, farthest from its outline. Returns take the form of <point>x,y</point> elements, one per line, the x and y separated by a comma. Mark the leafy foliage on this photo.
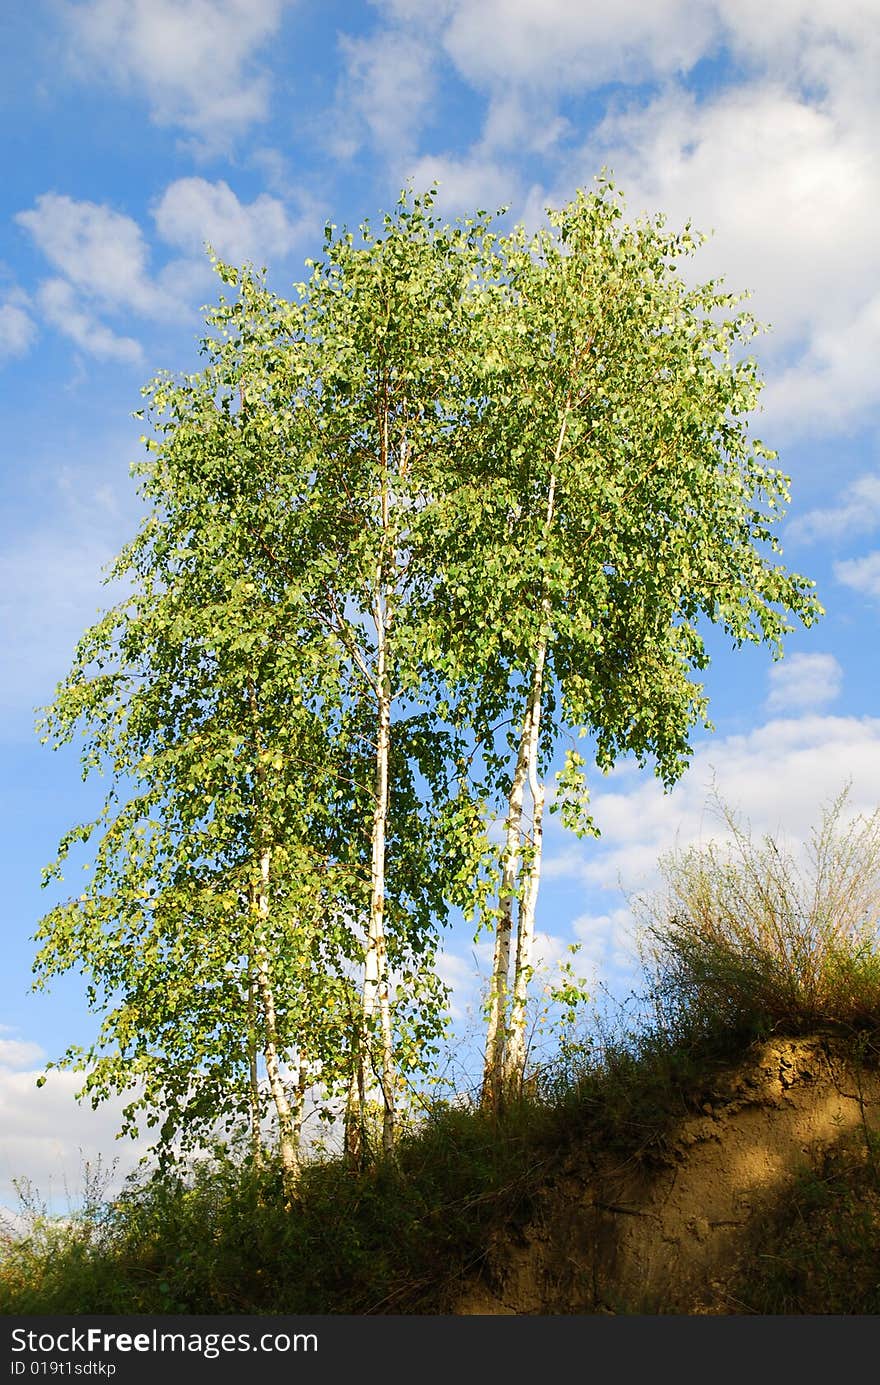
<point>460,495</point>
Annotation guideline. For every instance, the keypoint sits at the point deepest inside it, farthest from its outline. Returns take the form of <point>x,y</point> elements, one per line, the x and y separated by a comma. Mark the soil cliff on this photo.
<point>673,1228</point>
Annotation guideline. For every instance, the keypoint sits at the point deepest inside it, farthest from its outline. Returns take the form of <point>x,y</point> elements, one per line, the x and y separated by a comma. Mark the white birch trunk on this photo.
<point>376,990</point>
<point>376,1068</point>
<point>496,1037</point>
<point>510,1049</point>
<point>515,1056</point>
<point>287,1146</point>
<point>372,1070</point>
<point>253,1074</point>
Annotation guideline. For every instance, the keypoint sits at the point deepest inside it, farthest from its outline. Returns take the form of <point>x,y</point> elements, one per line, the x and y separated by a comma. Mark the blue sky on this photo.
<point>136,130</point>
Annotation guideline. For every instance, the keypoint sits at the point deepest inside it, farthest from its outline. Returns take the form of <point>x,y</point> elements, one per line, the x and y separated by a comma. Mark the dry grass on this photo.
<point>748,936</point>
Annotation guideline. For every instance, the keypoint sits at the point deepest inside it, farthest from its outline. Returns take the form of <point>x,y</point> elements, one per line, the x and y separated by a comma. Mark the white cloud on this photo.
<point>835,383</point>
<point>789,185</point>
<point>387,90</point>
<point>777,776</point>
<point>193,211</point>
<point>17,331</point>
<point>606,941</point>
<point>193,60</point>
<point>780,162</point>
<point>63,310</point>
<point>462,977</point>
<point>805,34</point>
<point>517,121</point>
<point>784,186</point>
<point>559,45</point>
<point>103,263</point>
<point>49,1136</point>
<point>465,184</point>
<point>857,513</point>
<point>802,682</point>
<point>862,574</point>
<point>19,1053</point>
<point>100,251</point>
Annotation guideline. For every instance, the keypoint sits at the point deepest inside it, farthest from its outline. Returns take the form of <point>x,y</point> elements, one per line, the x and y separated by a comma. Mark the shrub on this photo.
<point>747,937</point>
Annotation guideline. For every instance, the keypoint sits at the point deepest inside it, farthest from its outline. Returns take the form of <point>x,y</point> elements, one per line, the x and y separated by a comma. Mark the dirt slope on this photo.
<point>671,1235</point>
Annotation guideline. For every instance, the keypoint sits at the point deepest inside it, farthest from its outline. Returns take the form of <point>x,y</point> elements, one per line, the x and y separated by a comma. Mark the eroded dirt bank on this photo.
<point>671,1232</point>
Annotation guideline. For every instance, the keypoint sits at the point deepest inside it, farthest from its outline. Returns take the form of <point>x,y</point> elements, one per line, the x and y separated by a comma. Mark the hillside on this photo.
<point>666,1182</point>
<point>698,1223</point>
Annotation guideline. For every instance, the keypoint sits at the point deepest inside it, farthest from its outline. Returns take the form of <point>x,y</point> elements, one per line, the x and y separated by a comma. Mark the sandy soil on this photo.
<point>671,1236</point>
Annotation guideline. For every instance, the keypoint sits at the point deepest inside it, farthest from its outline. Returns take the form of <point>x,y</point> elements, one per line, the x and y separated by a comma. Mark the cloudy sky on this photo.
<point>137,130</point>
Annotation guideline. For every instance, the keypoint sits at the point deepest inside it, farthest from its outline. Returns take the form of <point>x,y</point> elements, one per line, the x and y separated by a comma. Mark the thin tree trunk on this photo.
<point>377,955</point>
<point>505,1049</point>
<point>376,991</point>
<point>496,1037</point>
<point>372,1067</point>
<point>515,1056</point>
<point>287,1146</point>
<point>253,1074</point>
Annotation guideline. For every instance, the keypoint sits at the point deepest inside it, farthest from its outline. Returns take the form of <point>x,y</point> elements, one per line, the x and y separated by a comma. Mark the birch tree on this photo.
<point>296,809</point>
<point>213,928</point>
<point>386,331</point>
<point>456,497</point>
<point>619,502</point>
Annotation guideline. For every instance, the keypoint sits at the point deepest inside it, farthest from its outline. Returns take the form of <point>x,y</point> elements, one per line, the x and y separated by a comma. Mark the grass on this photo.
<point>217,1238</point>
<point>819,1252</point>
<point>746,942</point>
<point>747,938</point>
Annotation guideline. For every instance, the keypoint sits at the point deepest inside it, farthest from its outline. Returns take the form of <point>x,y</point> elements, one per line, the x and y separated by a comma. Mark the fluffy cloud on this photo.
<point>19,1053</point>
<point>862,574</point>
<point>606,942</point>
<point>193,211</point>
<point>17,331</point>
<point>386,92</point>
<point>809,36</point>
<point>103,258</point>
<point>103,262</point>
<point>101,252</point>
<point>834,384</point>
<point>779,161</point>
<point>802,682</point>
<point>857,513</point>
<point>465,184</point>
<point>49,1137</point>
<point>64,310</point>
<point>559,45</point>
<point>780,773</point>
<point>193,60</point>
<point>556,45</point>
<point>789,185</point>
<point>783,185</point>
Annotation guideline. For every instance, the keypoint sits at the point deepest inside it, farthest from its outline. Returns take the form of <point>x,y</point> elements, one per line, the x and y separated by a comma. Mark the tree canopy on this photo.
<point>462,493</point>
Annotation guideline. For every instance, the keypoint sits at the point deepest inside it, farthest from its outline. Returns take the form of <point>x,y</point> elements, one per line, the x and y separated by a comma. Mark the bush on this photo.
<point>748,939</point>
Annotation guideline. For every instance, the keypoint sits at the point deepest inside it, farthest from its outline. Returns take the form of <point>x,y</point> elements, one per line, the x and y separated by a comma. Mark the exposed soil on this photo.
<point>673,1232</point>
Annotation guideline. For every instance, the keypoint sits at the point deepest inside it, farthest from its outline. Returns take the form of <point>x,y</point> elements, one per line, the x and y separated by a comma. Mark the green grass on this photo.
<point>819,1251</point>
